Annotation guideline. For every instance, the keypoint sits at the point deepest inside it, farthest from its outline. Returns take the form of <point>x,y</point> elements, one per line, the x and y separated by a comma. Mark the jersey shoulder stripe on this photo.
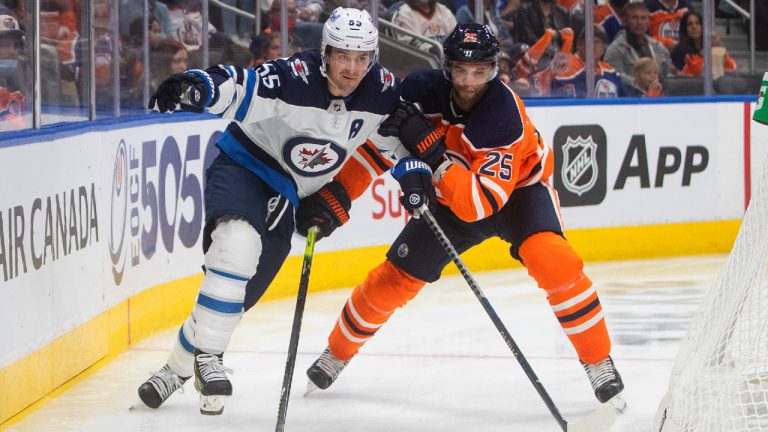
<point>242,110</point>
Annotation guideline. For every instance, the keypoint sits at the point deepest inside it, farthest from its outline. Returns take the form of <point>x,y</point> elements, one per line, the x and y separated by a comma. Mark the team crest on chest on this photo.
<point>312,157</point>
<point>606,89</point>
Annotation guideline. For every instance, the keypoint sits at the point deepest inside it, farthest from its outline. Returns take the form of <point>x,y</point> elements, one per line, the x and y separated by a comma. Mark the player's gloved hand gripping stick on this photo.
<point>326,209</point>
<point>415,178</point>
<point>191,91</point>
<point>417,133</point>
<point>599,420</point>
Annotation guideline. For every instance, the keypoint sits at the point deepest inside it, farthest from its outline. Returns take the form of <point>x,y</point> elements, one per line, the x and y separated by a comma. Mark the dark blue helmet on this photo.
<point>471,43</point>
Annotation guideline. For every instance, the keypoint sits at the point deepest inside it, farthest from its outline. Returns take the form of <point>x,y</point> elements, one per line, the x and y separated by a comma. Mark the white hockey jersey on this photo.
<point>289,130</point>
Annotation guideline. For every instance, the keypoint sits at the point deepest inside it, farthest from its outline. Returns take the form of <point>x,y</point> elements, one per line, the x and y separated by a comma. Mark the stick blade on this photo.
<point>600,420</point>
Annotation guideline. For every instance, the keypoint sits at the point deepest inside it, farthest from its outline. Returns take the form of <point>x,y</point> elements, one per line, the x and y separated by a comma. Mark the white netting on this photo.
<point>719,381</point>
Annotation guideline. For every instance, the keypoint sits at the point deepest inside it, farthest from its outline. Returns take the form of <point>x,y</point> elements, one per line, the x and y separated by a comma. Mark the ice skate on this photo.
<point>606,382</point>
<point>324,371</point>
<point>160,386</point>
<point>211,382</point>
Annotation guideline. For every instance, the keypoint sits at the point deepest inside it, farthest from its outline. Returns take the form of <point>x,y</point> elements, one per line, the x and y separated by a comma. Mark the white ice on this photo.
<point>438,365</point>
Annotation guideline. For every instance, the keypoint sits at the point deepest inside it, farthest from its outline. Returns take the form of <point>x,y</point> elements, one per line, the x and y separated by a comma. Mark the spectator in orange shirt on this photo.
<point>687,56</point>
<point>665,19</point>
<point>609,16</point>
<point>572,81</point>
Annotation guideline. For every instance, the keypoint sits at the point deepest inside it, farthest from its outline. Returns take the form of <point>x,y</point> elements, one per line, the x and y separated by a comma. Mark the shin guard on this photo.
<point>557,269</point>
<point>385,289</point>
<point>231,261</point>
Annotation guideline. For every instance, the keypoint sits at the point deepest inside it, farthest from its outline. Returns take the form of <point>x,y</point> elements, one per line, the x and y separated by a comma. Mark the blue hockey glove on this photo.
<point>415,180</point>
<point>417,133</point>
<point>191,90</point>
<point>326,209</point>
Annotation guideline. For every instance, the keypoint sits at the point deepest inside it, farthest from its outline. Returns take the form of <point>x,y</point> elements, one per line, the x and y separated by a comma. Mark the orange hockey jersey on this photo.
<point>495,148</point>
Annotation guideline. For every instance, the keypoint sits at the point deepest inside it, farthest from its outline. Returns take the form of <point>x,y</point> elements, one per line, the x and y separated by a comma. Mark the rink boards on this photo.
<point>100,223</point>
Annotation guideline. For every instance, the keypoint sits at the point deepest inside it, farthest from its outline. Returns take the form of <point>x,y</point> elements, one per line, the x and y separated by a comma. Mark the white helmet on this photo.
<point>350,29</point>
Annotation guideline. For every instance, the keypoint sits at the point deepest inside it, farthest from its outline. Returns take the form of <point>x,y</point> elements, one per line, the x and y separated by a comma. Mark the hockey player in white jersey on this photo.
<point>295,121</point>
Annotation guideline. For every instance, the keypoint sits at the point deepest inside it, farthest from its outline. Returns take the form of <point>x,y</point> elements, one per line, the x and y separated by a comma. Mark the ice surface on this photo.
<point>438,365</point>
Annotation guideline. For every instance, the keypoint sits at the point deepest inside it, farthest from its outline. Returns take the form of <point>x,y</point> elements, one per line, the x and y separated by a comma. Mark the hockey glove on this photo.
<point>326,209</point>
<point>417,133</point>
<point>188,89</point>
<point>415,180</point>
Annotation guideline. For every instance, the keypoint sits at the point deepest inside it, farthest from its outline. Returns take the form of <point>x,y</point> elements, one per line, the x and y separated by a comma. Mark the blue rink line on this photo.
<point>540,102</point>
<point>64,130</point>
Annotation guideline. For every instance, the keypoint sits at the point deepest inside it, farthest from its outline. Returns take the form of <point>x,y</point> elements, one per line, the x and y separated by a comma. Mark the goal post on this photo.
<point>719,380</point>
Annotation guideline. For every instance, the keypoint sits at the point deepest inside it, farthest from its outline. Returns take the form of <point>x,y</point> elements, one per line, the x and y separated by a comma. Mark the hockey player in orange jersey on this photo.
<point>491,171</point>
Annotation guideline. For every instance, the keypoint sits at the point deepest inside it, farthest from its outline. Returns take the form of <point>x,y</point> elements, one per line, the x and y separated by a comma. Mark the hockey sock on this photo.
<point>230,261</point>
<point>557,269</point>
<point>371,304</point>
<point>181,358</point>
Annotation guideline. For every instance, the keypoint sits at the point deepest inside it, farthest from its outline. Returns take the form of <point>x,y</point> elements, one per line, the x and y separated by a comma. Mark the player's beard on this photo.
<point>467,98</point>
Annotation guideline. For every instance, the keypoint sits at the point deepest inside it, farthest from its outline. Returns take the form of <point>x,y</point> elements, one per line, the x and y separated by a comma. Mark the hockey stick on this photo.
<point>293,346</point>
<point>599,420</point>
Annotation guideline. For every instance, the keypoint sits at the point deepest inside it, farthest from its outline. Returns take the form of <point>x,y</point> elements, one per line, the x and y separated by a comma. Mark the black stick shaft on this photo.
<point>293,347</point>
<point>446,243</point>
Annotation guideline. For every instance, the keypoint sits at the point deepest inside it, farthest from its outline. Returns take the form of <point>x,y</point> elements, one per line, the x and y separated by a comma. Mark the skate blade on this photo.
<point>311,387</point>
<point>600,420</point>
<point>618,403</point>
<point>139,404</point>
<point>212,405</point>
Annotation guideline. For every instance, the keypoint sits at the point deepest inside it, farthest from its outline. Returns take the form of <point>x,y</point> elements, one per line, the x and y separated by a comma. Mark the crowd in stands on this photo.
<point>637,44</point>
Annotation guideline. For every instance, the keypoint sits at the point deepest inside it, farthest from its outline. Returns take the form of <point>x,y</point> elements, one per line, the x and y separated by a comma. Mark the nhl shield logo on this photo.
<point>580,164</point>
<point>579,170</point>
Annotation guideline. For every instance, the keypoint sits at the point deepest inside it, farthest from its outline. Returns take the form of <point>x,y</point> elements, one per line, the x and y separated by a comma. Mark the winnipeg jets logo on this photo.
<point>299,69</point>
<point>387,79</point>
<point>579,169</point>
<point>312,157</point>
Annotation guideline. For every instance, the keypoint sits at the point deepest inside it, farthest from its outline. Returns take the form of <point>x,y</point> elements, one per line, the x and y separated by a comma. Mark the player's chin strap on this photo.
<point>600,420</point>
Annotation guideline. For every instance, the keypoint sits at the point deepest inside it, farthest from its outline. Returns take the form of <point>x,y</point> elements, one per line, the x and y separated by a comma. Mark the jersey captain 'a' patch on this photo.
<point>312,157</point>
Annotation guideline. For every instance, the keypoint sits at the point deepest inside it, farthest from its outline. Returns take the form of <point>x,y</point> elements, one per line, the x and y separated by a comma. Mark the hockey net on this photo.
<point>719,381</point>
